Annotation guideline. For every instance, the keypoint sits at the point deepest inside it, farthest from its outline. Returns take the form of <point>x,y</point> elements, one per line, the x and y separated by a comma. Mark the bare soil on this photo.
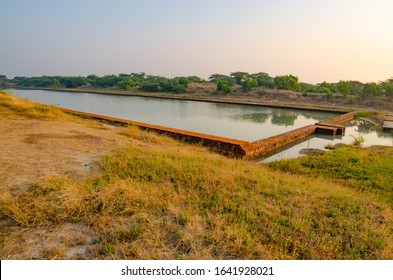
<point>31,150</point>
<point>34,149</point>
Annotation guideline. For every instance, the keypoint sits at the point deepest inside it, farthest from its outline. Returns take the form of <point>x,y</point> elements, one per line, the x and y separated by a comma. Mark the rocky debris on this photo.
<point>311,152</point>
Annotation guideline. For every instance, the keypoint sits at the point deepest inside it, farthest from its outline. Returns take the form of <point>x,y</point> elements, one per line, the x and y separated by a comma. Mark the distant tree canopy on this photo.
<point>3,80</point>
<point>121,81</point>
<point>263,79</point>
<point>215,78</point>
<point>239,77</point>
<point>288,82</point>
<point>249,83</point>
<point>224,87</point>
<point>224,83</point>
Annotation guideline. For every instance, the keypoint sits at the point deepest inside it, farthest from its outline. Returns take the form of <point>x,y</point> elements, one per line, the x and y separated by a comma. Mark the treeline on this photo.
<point>251,81</point>
<point>290,82</point>
<point>224,83</point>
<point>142,81</point>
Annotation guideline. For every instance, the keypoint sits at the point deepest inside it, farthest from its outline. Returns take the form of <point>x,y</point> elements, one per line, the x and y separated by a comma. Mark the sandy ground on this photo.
<point>31,150</point>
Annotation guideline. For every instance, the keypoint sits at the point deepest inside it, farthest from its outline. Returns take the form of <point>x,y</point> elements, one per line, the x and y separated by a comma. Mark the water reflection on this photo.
<point>285,119</point>
<point>254,117</point>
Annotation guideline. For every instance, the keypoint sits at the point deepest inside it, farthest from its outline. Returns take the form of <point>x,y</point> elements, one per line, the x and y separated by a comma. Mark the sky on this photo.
<point>316,40</point>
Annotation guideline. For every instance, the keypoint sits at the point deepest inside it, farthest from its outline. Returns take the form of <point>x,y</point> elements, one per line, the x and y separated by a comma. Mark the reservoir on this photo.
<point>241,122</point>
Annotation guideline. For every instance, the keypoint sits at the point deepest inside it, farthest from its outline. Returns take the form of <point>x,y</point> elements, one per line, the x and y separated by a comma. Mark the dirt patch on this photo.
<point>30,151</point>
<point>33,149</point>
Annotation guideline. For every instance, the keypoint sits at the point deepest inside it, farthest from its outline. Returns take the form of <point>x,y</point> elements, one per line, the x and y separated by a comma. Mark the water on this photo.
<point>354,128</point>
<point>242,122</point>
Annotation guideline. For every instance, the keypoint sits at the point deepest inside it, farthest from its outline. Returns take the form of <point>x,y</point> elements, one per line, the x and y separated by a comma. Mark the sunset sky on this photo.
<point>315,40</point>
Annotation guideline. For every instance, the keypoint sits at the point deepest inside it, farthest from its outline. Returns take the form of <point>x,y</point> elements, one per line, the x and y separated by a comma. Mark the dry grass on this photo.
<point>160,199</point>
<point>13,106</point>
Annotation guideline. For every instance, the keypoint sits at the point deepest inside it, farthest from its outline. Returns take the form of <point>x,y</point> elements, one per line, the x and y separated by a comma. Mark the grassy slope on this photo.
<point>161,199</point>
<point>369,170</point>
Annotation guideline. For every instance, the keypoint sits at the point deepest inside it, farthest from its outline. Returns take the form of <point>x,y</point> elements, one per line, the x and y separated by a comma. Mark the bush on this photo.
<point>351,100</point>
<point>149,87</point>
<point>249,83</point>
<point>224,87</point>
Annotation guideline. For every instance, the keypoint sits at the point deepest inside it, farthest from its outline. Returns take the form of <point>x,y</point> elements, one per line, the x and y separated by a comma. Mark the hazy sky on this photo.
<point>314,39</point>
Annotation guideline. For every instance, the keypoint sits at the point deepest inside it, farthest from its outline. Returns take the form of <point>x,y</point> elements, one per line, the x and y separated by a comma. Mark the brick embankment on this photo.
<point>341,119</point>
<point>225,146</point>
<point>268,145</point>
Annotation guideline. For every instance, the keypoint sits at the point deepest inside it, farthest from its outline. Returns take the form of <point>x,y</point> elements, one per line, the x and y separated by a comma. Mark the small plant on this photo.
<point>351,100</point>
<point>329,95</point>
<point>358,141</point>
<point>364,114</point>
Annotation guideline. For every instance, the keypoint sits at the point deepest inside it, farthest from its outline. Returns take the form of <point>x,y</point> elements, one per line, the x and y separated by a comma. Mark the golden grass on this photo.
<point>150,204</point>
<point>11,106</point>
<point>160,199</point>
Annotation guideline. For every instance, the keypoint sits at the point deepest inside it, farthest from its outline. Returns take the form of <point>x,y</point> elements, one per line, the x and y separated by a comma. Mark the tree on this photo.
<point>343,87</point>
<point>3,80</point>
<point>387,87</point>
<point>184,81</point>
<point>73,82</point>
<point>288,82</point>
<point>194,79</point>
<point>149,86</point>
<point>223,87</point>
<point>249,83</point>
<point>330,86</point>
<point>215,78</point>
<point>239,76</point>
<point>371,89</point>
<point>355,87</point>
<point>263,79</point>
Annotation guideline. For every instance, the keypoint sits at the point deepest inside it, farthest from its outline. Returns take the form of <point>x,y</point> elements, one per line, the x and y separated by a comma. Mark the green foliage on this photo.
<point>107,81</point>
<point>332,87</point>
<point>364,114</point>
<point>355,87</point>
<point>371,89</point>
<point>215,78</point>
<point>263,79</point>
<point>183,81</point>
<point>358,141</point>
<point>73,82</point>
<point>149,86</point>
<point>239,76</point>
<point>343,87</point>
<point>387,87</point>
<point>223,87</point>
<point>318,89</point>
<point>364,169</point>
<point>3,80</point>
<point>288,82</point>
<point>351,100</point>
<point>249,83</point>
<point>44,81</point>
<point>194,79</point>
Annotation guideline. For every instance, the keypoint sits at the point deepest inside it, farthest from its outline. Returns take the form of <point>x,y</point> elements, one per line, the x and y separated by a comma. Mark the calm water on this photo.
<point>242,122</point>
